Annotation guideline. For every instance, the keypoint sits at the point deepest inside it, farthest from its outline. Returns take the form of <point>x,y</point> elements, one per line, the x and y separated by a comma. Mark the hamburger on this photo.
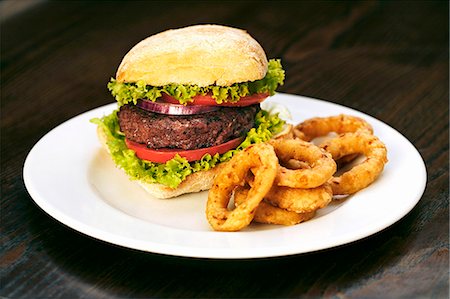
<point>188,100</point>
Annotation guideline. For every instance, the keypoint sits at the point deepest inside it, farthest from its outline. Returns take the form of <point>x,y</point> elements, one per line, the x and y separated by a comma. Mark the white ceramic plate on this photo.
<point>72,179</point>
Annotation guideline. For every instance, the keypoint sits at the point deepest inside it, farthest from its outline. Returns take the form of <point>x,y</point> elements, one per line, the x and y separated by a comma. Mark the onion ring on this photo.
<point>263,163</point>
<point>322,166</point>
<point>300,200</point>
<point>269,214</point>
<point>322,126</point>
<point>361,175</point>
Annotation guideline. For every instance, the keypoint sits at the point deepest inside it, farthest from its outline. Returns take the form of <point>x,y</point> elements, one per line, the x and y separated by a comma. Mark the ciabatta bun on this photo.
<point>196,55</point>
<point>195,182</point>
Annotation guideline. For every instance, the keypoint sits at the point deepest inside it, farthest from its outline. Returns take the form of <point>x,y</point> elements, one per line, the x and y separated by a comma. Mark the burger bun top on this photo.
<point>196,55</point>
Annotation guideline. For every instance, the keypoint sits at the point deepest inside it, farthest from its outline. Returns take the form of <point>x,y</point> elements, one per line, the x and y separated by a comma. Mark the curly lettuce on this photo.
<point>126,93</point>
<point>174,171</point>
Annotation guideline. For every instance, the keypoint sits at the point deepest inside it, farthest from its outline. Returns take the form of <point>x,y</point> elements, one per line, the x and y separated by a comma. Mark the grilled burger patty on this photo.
<point>186,132</point>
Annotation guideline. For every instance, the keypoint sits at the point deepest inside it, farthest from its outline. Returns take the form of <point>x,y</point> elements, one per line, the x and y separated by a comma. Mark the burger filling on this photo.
<point>187,132</point>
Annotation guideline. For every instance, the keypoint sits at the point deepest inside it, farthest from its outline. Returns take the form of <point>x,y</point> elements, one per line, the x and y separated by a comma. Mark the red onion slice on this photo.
<point>174,109</point>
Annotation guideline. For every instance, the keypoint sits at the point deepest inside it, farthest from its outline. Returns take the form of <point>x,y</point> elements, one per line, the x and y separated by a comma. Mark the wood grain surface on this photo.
<point>387,59</point>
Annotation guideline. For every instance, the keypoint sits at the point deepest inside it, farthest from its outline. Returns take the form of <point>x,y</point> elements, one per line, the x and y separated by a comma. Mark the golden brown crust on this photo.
<point>195,182</point>
<point>197,55</point>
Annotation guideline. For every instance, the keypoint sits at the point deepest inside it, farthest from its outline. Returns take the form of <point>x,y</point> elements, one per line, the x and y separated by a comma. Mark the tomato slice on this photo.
<point>164,155</point>
<point>207,100</point>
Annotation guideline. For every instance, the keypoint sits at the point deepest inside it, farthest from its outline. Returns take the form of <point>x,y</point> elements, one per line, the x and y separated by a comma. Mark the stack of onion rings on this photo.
<point>267,192</point>
<point>286,180</point>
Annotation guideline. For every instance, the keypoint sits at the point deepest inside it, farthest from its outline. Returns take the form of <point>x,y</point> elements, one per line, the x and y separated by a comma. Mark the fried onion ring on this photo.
<point>361,175</point>
<point>322,166</point>
<point>300,200</point>
<point>269,214</point>
<point>322,126</point>
<point>263,163</point>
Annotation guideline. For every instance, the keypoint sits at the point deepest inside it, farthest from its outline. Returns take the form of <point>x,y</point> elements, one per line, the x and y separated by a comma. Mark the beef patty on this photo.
<point>186,131</point>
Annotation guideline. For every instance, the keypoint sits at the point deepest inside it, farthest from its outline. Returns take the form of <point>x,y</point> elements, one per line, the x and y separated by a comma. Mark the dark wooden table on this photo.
<point>389,60</point>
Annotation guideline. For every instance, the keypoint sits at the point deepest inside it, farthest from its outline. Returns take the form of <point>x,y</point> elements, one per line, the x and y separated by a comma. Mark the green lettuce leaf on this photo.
<point>126,93</point>
<point>173,172</point>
